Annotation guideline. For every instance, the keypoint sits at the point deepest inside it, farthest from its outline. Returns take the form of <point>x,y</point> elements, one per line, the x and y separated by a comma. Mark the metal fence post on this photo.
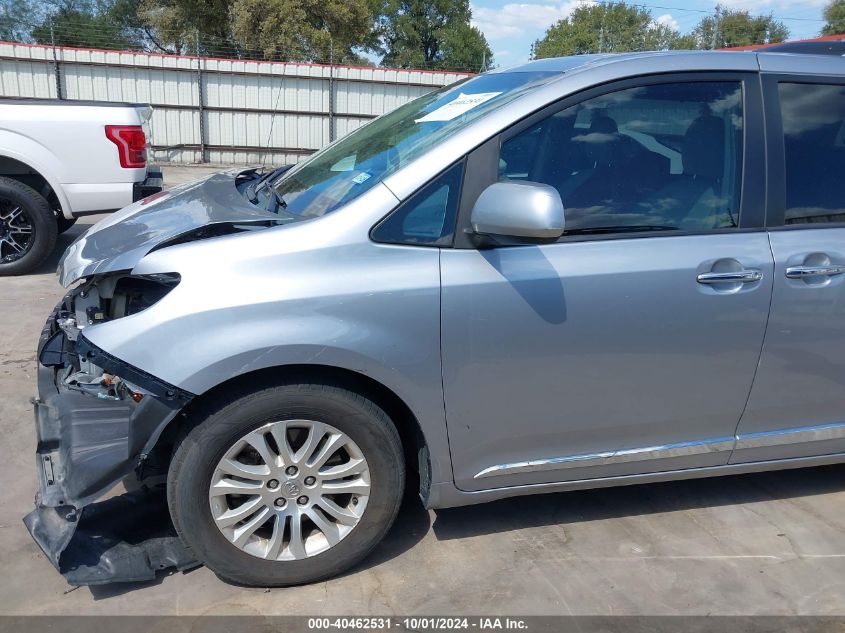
<point>332,131</point>
<point>56,69</point>
<point>200,101</point>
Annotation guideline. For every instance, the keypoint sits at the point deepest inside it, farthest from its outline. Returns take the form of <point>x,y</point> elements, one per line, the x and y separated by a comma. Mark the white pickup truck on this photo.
<point>63,159</point>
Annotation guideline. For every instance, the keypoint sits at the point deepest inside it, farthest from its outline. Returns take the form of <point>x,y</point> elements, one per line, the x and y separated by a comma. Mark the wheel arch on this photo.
<point>14,164</point>
<point>414,443</point>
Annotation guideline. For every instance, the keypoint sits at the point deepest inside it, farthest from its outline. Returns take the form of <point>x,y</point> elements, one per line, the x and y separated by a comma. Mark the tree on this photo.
<point>86,23</point>
<point>307,30</point>
<point>834,14</point>
<point>465,48</point>
<point>432,34</point>
<point>738,28</point>
<point>180,25</point>
<point>614,27</point>
<point>13,20</point>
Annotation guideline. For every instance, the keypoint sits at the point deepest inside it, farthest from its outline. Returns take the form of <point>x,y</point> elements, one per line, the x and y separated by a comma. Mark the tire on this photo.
<point>222,430</point>
<point>24,209</point>
<point>62,223</point>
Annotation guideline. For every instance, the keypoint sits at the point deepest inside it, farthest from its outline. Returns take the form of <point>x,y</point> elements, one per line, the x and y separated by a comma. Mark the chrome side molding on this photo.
<point>797,435</point>
<point>683,449</point>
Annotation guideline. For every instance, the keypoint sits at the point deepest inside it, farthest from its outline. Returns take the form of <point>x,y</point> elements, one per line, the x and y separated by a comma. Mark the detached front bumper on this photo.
<point>87,444</point>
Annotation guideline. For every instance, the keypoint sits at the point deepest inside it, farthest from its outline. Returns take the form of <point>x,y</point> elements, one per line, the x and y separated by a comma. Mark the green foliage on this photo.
<point>685,42</point>
<point>179,23</point>
<point>465,48</point>
<point>617,27</point>
<point>13,16</point>
<point>88,23</point>
<point>432,34</point>
<point>307,30</point>
<point>738,28</point>
<point>614,27</point>
<point>834,15</point>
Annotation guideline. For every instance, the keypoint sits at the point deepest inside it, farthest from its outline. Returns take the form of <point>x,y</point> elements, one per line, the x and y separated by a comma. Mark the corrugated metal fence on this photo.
<point>219,110</point>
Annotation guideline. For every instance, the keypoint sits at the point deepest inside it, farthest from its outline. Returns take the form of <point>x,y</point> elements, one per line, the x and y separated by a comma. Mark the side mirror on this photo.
<point>526,211</point>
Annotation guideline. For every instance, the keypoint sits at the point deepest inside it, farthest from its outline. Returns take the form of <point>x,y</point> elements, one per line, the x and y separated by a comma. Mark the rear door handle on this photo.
<point>802,272</point>
<point>734,276</point>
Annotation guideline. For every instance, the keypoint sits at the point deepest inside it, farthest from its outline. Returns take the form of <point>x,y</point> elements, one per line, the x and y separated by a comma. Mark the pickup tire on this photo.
<point>321,456</point>
<point>28,228</point>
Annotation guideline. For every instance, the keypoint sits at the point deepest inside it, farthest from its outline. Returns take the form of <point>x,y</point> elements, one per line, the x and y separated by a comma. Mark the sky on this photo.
<point>511,27</point>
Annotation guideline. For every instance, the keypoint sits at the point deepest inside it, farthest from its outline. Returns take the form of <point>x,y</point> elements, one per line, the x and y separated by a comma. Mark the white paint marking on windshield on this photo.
<point>463,104</point>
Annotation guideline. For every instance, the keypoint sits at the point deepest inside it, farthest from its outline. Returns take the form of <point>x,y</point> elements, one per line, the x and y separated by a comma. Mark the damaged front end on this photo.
<point>97,419</point>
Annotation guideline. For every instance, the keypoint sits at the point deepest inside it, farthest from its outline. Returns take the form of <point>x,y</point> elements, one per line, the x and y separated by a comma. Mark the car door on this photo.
<point>797,405</point>
<point>629,345</point>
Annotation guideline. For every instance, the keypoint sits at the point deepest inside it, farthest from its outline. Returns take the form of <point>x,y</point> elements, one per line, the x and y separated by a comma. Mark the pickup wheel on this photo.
<point>286,485</point>
<point>27,228</point>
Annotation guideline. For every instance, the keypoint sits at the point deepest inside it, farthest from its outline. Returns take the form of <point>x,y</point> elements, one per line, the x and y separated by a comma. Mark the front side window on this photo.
<point>813,117</point>
<point>428,217</point>
<point>657,157</point>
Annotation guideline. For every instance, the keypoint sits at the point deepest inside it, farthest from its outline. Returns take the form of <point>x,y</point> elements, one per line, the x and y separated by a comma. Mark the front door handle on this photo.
<point>730,277</point>
<point>802,272</point>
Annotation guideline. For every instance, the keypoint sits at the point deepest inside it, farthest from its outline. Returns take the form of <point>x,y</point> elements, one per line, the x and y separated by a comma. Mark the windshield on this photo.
<point>346,169</point>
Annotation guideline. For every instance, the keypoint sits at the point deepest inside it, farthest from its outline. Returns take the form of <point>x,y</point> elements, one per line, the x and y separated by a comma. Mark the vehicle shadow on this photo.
<point>627,501</point>
<point>412,524</point>
<point>534,278</point>
<point>414,521</point>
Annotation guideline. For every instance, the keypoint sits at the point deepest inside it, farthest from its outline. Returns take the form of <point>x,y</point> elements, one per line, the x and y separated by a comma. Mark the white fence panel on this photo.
<point>219,110</point>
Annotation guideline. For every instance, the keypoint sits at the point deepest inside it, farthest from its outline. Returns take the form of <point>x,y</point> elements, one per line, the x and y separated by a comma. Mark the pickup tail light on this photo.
<point>131,144</point>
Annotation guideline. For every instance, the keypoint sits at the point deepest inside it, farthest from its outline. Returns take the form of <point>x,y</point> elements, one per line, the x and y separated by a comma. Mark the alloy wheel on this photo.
<point>16,231</point>
<point>289,490</point>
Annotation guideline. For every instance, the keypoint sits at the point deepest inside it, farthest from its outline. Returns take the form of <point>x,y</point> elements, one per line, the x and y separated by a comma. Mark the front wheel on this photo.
<point>287,485</point>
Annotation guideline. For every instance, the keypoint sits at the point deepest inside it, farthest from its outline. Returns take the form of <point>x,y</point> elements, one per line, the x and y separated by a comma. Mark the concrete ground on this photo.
<point>757,544</point>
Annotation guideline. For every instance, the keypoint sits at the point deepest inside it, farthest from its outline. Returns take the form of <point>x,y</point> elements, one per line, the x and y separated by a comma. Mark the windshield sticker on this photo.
<point>345,164</point>
<point>463,104</point>
<point>362,177</point>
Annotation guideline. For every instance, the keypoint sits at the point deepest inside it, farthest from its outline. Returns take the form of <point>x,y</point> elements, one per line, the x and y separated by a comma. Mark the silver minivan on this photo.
<point>579,272</point>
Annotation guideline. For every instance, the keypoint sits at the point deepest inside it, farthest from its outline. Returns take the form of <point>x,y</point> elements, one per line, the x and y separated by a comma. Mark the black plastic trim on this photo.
<point>835,48</point>
<point>776,153</point>
<point>174,397</point>
<point>153,183</point>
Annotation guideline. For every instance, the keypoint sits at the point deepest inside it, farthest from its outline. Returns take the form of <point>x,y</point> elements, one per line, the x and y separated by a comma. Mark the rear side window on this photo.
<point>655,157</point>
<point>428,217</point>
<point>813,118</point>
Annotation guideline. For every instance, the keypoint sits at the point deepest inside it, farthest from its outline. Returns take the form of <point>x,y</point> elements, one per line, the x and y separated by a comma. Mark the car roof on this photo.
<point>683,60</point>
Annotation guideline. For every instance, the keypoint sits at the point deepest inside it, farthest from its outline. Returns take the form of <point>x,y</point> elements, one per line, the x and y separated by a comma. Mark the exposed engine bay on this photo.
<point>97,301</point>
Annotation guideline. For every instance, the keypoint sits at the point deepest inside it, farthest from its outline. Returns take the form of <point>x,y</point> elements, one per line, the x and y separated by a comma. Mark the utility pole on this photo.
<point>716,27</point>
